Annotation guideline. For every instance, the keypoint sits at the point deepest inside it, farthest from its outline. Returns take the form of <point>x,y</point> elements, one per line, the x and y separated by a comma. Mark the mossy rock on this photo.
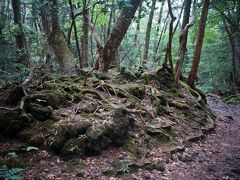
<point>158,134</point>
<point>136,90</point>
<point>55,99</point>
<point>39,112</point>
<point>35,133</point>
<point>125,76</point>
<point>97,139</point>
<point>130,146</point>
<point>153,166</point>
<point>67,132</point>
<point>11,123</point>
<point>75,147</point>
<point>11,96</point>
<point>148,76</point>
<point>88,108</point>
<point>166,78</point>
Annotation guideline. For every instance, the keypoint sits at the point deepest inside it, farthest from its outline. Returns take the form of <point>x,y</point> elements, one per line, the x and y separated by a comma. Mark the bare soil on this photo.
<point>218,156</point>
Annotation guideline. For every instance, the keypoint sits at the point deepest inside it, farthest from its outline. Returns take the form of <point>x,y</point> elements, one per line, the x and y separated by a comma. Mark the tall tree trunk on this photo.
<point>84,38</point>
<point>110,18</point>
<point>2,18</point>
<point>139,16</point>
<point>168,55</point>
<point>148,32</point>
<point>158,25</point>
<point>58,43</point>
<point>45,18</point>
<point>21,41</point>
<point>156,57</point>
<point>117,34</point>
<point>234,47</point>
<point>197,52</point>
<point>184,36</point>
<point>75,33</point>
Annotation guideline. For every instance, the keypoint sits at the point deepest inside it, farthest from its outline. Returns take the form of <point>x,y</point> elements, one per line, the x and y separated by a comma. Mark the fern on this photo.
<point>10,173</point>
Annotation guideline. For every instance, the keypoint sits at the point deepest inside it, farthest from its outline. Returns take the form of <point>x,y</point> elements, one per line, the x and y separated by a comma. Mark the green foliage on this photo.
<point>10,173</point>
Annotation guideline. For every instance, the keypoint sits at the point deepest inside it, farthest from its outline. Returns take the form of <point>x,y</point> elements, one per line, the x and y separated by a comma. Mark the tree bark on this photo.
<point>58,43</point>
<point>75,33</point>
<point>84,38</point>
<point>20,38</point>
<point>139,16</point>
<point>197,52</point>
<point>184,36</point>
<point>118,33</point>
<point>168,55</point>
<point>148,32</point>
<point>45,18</point>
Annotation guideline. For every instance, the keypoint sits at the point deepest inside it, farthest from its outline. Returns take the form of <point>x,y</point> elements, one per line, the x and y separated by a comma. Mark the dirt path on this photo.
<point>218,156</point>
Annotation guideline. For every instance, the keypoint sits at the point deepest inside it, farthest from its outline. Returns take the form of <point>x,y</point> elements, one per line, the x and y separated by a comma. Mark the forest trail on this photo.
<point>218,156</point>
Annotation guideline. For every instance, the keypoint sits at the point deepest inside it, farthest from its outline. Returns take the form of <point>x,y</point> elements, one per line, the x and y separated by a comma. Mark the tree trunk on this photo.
<point>168,55</point>
<point>118,33</point>
<point>45,17</point>
<point>234,48</point>
<point>20,38</point>
<point>197,52</point>
<point>139,16</point>
<point>58,43</point>
<point>84,38</point>
<point>158,26</point>
<point>75,33</point>
<point>148,32</point>
<point>184,36</point>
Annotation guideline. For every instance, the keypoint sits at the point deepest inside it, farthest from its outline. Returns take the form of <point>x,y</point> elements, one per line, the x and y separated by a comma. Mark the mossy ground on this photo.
<point>74,120</point>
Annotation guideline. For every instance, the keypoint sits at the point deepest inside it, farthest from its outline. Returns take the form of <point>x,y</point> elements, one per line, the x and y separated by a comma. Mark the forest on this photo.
<point>119,89</point>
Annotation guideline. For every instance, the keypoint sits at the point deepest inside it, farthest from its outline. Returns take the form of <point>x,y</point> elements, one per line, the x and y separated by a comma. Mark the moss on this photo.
<point>53,99</point>
<point>39,112</point>
<point>11,123</point>
<point>88,108</point>
<point>36,132</point>
<point>130,146</point>
<point>75,147</point>
<point>148,76</point>
<point>136,90</point>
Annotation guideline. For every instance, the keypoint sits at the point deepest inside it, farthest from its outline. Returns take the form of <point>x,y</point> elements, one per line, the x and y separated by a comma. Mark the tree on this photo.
<point>148,32</point>
<point>168,55</point>
<point>84,37</point>
<point>75,32</point>
<point>58,42</point>
<point>198,48</point>
<point>20,38</point>
<point>184,36</point>
<point>118,32</point>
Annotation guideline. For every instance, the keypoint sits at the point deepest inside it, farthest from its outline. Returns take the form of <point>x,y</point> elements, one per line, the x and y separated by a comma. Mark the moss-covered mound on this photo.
<point>138,112</point>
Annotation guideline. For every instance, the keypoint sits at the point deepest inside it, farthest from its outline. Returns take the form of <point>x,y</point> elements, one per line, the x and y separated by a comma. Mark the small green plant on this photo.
<point>10,173</point>
<point>13,154</point>
<point>30,148</point>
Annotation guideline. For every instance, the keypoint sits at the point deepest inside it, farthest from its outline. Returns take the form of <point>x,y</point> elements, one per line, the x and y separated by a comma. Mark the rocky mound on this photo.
<point>138,111</point>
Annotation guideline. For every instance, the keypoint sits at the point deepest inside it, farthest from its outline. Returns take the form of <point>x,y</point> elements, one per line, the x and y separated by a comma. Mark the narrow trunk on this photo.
<point>75,33</point>
<point>139,16</point>
<point>118,33</point>
<point>168,55</point>
<point>84,38</point>
<point>197,52</point>
<point>159,24</point>
<point>148,32</point>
